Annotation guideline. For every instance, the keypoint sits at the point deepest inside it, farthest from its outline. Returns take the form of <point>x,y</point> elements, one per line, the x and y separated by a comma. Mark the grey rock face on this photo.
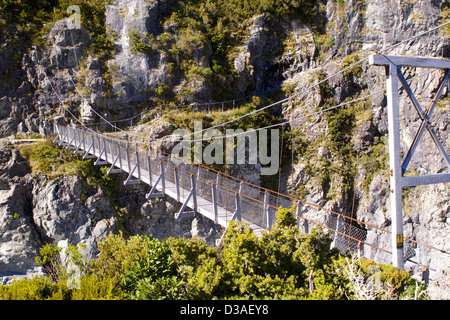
<point>68,44</point>
<point>18,237</point>
<point>67,50</point>
<point>130,67</point>
<point>250,61</point>
<point>301,51</point>
<point>37,210</point>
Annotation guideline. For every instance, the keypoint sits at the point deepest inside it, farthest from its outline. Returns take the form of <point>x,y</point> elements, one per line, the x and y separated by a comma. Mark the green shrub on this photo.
<point>281,264</point>
<point>341,123</point>
<point>92,287</point>
<point>97,287</point>
<point>375,161</point>
<point>160,288</point>
<point>100,177</point>
<point>38,288</point>
<point>398,283</point>
<point>50,260</point>
<point>48,159</point>
<point>355,71</point>
<point>300,143</point>
<point>277,266</point>
<point>150,276</point>
<point>144,44</point>
<point>142,267</point>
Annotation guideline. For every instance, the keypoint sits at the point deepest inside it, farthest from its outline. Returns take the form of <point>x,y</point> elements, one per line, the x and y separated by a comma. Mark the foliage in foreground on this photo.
<point>282,264</point>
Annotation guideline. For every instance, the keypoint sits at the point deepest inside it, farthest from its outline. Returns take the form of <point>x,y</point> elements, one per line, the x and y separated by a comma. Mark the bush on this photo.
<point>153,276</point>
<point>92,287</point>
<point>38,288</point>
<point>52,161</point>
<point>46,158</point>
<point>375,161</point>
<point>50,260</point>
<point>341,123</point>
<point>282,264</point>
<point>355,71</point>
<point>118,254</point>
<point>397,284</point>
<point>97,287</point>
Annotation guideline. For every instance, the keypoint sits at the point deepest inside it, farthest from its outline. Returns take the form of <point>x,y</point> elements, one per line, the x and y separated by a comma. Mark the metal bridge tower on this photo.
<point>397,167</point>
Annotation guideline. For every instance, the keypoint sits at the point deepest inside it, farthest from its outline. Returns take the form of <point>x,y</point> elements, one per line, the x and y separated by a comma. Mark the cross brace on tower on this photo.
<point>397,168</point>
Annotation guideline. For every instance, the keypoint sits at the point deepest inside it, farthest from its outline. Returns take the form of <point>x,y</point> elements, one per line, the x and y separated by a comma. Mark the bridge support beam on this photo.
<point>64,137</point>
<point>160,179</point>
<point>395,164</point>
<point>216,197</point>
<point>118,158</point>
<point>74,141</point>
<point>177,182</point>
<point>99,160</point>
<point>268,211</point>
<point>130,179</point>
<point>214,201</point>
<point>87,155</point>
<point>69,145</point>
<point>58,133</point>
<point>149,166</point>
<point>192,194</point>
<point>237,214</point>
<point>78,148</point>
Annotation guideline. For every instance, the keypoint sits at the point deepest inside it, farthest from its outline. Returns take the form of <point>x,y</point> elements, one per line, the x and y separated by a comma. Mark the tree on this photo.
<point>282,264</point>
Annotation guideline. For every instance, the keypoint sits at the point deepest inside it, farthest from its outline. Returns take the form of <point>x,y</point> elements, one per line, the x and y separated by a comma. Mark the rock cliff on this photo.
<point>35,210</point>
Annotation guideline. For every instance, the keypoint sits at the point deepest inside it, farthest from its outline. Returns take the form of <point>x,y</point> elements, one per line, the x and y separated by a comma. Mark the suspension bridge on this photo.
<point>223,198</point>
<point>213,194</point>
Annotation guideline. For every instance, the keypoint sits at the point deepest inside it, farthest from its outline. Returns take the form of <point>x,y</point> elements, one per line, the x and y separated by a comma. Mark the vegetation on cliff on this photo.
<point>48,160</point>
<point>26,23</point>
